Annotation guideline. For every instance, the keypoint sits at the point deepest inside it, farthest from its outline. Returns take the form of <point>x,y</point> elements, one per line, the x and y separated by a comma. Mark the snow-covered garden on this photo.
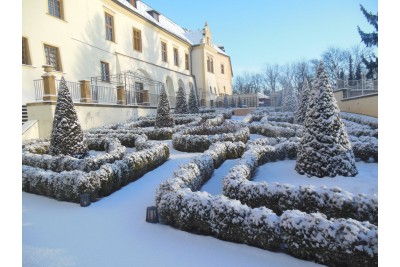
<point>283,188</point>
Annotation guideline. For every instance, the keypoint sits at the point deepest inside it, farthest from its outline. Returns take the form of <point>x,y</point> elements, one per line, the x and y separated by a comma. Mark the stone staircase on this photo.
<point>24,114</point>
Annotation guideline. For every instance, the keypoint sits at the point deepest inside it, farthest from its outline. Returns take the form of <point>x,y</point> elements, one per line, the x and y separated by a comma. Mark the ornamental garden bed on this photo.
<point>98,179</point>
<point>199,139</point>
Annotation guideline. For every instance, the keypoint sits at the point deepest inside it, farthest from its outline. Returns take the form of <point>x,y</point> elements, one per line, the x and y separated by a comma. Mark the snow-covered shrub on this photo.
<point>333,202</point>
<point>126,137</point>
<point>164,117</point>
<point>206,110</point>
<point>302,106</point>
<point>365,147</point>
<point>357,129</point>
<point>269,130</point>
<point>278,117</point>
<point>340,242</point>
<point>113,148</point>
<point>199,139</point>
<point>325,150</point>
<point>69,185</point>
<point>181,106</point>
<point>361,119</point>
<point>66,136</point>
<point>193,103</point>
<point>289,98</point>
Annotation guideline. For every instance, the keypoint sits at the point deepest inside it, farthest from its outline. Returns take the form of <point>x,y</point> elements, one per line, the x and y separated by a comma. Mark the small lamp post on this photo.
<point>85,200</point>
<point>152,214</point>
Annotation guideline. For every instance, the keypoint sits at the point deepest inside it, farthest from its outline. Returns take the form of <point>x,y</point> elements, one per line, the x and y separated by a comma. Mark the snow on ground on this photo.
<point>366,181</point>
<point>96,152</point>
<point>113,232</point>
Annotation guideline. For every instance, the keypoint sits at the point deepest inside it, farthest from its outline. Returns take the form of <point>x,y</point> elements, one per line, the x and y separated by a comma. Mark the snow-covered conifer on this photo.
<point>325,149</point>
<point>181,102</point>
<point>226,102</point>
<point>233,102</point>
<point>289,98</point>
<point>67,136</point>
<point>240,102</point>
<point>193,104</point>
<point>164,117</point>
<point>303,103</point>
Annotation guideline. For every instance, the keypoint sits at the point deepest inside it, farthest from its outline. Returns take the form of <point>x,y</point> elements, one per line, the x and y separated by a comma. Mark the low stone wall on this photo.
<point>90,115</point>
<point>365,105</point>
<point>242,111</point>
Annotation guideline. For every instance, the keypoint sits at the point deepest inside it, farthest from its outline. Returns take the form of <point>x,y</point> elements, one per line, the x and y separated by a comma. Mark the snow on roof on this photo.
<point>261,95</point>
<point>195,36</point>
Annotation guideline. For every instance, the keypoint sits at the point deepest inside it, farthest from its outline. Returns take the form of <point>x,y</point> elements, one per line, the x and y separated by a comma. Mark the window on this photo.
<point>137,40</point>
<point>186,61</point>
<point>26,59</point>
<point>105,71</point>
<point>56,8</point>
<point>109,27</point>
<point>222,69</point>
<point>154,14</point>
<point>164,52</point>
<point>52,55</point>
<point>176,57</point>
<point>132,2</point>
<point>210,64</point>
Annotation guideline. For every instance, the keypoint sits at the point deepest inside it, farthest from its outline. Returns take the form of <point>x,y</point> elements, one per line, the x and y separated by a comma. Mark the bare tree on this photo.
<point>335,60</point>
<point>271,75</point>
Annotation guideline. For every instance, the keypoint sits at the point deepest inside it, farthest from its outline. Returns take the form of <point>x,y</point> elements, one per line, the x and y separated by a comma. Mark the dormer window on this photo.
<point>154,14</point>
<point>132,2</point>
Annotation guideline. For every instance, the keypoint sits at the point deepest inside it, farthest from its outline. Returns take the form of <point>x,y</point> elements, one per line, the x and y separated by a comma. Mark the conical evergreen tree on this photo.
<point>303,103</point>
<point>289,99</point>
<point>181,103</point>
<point>351,70</point>
<point>226,102</point>
<point>66,137</point>
<point>164,117</point>
<point>358,74</point>
<point>233,102</point>
<point>193,104</point>
<point>325,149</point>
<point>240,105</point>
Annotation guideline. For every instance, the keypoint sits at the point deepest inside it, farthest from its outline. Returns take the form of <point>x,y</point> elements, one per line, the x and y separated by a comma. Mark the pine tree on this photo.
<point>351,70</point>
<point>325,149</point>
<point>303,103</point>
<point>164,117</point>
<point>233,103</point>
<point>370,40</point>
<point>193,105</point>
<point>226,102</point>
<point>289,98</point>
<point>66,137</point>
<point>181,103</point>
<point>240,102</point>
<point>358,72</point>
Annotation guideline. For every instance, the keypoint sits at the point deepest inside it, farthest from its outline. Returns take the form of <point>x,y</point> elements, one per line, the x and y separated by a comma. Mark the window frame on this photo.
<point>109,28</point>
<point>186,61</point>
<point>176,56</point>
<point>132,2</point>
<point>25,52</point>
<point>52,11</point>
<point>58,66</point>
<point>222,69</point>
<point>106,77</point>
<point>164,51</point>
<point>137,40</point>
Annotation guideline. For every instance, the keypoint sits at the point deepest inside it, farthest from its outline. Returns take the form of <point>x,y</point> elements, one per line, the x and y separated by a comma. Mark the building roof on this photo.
<point>192,37</point>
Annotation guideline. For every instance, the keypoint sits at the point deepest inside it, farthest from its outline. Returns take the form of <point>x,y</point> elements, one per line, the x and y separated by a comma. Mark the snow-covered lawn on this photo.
<point>113,232</point>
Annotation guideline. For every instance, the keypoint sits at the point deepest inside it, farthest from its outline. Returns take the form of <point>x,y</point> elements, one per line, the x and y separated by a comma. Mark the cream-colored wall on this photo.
<point>30,130</point>
<point>365,105</point>
<point>82,43</point>
<point>89,115</point>
<point>226,78</point>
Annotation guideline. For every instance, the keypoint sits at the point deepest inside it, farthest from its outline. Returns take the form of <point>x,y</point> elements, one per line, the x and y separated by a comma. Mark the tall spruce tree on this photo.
<point>351,69</point>
<point>164,117</point>
<point>325,149</point>
<point>358,74</point>
<point>303,103</point>
<point>289,98</point>
<point>193,104</point>
<point>233,102</point>
<point>240,105</point>
<point>226,102</point>
<point>181,102</point>
<point>66,137</point>
<point>370,40</point>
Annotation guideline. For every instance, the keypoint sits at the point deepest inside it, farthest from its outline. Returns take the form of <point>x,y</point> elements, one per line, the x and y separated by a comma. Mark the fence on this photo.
<point>354,88</point>
<point>74,89</point>
<point>103,94</point>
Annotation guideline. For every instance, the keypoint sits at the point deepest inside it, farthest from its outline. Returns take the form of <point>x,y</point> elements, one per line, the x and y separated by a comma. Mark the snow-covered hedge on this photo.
<point>269,130</point>
<point>361,119</point>
<point>333,202</point>
<point>339,242</point>
<point>279,117</point>
<point>331,241</point>
<point>365,147</point>
<point>69,185</point>
<point>199,139</point>
<point>112,146</point>
<point>357,129</point>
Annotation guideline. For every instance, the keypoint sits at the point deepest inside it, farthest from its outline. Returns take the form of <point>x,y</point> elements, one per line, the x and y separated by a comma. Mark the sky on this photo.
<point>270,31</point>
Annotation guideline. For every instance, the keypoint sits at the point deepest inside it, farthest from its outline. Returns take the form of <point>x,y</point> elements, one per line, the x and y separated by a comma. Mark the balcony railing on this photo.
<point>74,89</point>
<point>355,88</point>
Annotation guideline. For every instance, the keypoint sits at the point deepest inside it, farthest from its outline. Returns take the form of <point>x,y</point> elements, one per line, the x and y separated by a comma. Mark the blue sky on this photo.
<point>272,31</point>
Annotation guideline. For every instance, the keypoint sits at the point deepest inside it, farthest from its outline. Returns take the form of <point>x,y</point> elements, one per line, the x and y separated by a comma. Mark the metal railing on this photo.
<point>73,87</point>
<point>103,94</point>
<point>355,88</point>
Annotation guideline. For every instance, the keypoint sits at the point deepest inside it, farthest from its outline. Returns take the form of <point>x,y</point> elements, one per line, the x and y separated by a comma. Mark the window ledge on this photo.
<point>60,19</point>
<point>28,65</point>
